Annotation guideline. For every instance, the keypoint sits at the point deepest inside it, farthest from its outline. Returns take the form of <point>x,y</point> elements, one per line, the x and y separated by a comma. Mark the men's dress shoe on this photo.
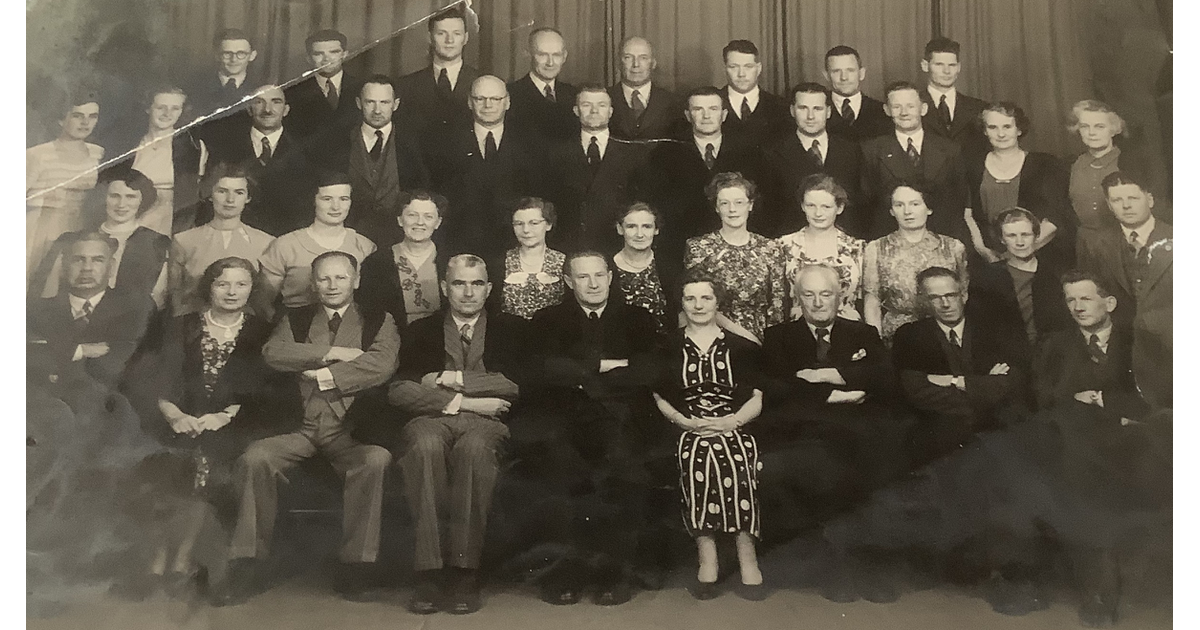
<point>1015,597</point>
<point>357,582</point>
<point>464,594</point>
<point>561,594</point>
<point>839,585</point>
<point>240,583</point>
<point>704,590</point>
<point>752,592</point>
<point>178,584</point>
<point>613,594</point>
<point>427,596</point>
<point>1099,610</point>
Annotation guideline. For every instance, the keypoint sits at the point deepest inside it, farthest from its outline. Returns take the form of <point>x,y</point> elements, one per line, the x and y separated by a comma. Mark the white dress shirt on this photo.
<point>256,137</point>
<point>585,138</point>
<point>1102,336</point>
<point>77,312</point>
<point>238,79</point>
<point>822,147</point>
<point>642,90</point>
<point>452,70</point>
<point>918,138</point>
<point>855,103</point>
<point>957,328</point>
<point>701,143</point>
<point>951,98</point>
<point>541,85</point>
<point>368,134</point>
<point>481,133</point>
<point>323,83</point>
<point>1143,233</point>
<point>324,376</point>
<point>736,98</point>
<point>588,310</point>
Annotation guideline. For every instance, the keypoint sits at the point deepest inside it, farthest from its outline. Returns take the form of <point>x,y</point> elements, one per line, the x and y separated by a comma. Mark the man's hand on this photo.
<point>310,375</point>
<point>93,350</point>
<point>941,380</point>
<point>821,375</point>
<point>487,407</point>
<point>339,353</point>
<point>187,425</point>
<point>449,380</point>
<point>853,397</point>
<point>607,365</point>
<point>1089,397</point>
<point>999,369</point>
<point>430,380</point>
<point>213,421</point>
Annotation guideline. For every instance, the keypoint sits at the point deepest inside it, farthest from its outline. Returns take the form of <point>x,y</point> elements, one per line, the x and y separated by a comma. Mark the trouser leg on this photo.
<point>254,476</point>
<point>362,468</point>
<point>474,465</point>
<point>422,464</point>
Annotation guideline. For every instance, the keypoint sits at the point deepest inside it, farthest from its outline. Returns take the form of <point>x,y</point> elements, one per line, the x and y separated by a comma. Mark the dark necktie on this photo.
<point>815,151</point>
<point>944,112</point>
<point>231,86</point>
<point>265,156</point>
<point>549,92</point>
<point>464,337</point>
<point>1133,245</point>
<point>377,148</point>
<point>1094,349</point>
<point>954,340</point>
<point>86,319</point>
<point>593,152</point>
<point>636,104</point>
<point>745,108</point>
<point>331,95</point>
<point>593,316</point>
<point>335,323</point>
<point>913,156</point>
<point>489,147</point>
<point>709,157</point>
<point>822,345</point>
<point>443,83</point>
<point>847,112</point>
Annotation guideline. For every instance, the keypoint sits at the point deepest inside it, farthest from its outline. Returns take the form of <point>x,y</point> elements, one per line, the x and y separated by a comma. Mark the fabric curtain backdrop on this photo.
<point>1030,52</point>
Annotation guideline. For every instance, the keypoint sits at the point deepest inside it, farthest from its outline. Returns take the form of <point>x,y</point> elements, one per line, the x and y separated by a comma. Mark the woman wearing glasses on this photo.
<point>533,273</point>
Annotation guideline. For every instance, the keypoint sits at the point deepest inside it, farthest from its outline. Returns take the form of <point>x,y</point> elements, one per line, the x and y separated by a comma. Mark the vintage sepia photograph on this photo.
<point>543,314</point>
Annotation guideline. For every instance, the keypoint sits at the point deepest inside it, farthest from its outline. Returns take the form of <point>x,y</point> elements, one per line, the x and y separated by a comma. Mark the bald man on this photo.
<point>542,105</point>
<point>487,164</point>
<point>642,110</point>
<point>273,158</point>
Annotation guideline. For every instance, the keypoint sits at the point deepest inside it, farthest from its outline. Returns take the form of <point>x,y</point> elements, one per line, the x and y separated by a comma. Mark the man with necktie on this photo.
<point>435,97</point>
<point>855,115</point>
<point>542,104</point>
<point>641,110</point>
<point>459,375</point>
<point>323,104</point>
<point>338,353</point>
<point>961,374</point>
<point>951,113</point>
<point>754,113</point>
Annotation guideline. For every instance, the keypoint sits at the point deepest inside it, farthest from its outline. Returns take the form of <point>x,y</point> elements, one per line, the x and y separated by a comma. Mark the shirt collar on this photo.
<point>813,328</point>
<point>715,141</point>
<point>855,102</point>
<point>481,133</point>
<point>77,303</point>
<point>601,139</point>
<point>336,79</point>
<point>341,311</point>
<point>735,99</point>
<point>368,134</point>
<point>1144,232</point>
<point>458,321</point>
<point>541,84</point>
<point>452,70</point>
<point>643,91</point>
<point>936,93</point>
<point>806,142</point>
<point>1103,335</point>
<point>588,310</point>
<point>957,328</point>
<point>238,79</point>
<point>257,137</point>
<point>918,138</point>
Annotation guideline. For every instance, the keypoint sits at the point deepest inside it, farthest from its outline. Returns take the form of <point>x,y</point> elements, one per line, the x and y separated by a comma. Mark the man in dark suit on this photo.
<point>951,114</point>
<point>232,80</point>
<point>542,105</point>
<point>640,110</point>
<point>435,97</point>
<point>338,353</point>
<point>1116,456</point>
<point>677,172</point>
<point>381,158</point>
<point>81,340</point>
<point>910,154</point>
<point>274,159</point>
<point>592,179</point>
<point>588,425</point>
<point>961,375</point>
<point>488,167</point>
<point>458,378</point>
<point>812,149</point>
<point>322,107</point>
<point>855,116</point>
<point>755,115</point>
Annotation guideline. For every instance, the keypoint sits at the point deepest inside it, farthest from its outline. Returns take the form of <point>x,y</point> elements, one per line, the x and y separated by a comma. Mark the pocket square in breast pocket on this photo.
<point>860,355</point>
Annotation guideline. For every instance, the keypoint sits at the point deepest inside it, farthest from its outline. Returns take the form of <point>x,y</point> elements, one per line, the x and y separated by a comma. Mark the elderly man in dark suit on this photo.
<point>273,158</point>
<point>951,114</point>
<point>587,429</point>
<point>855,116</point>
<point>1119,254</point>
<point>676,172</point>
<point>910,154</point>
<point>488,166</point>
<point>543,105</point>
<point>435,96</point>
<point>642,111</point>
<point>755,115</point>
<point>323,104</point>
<point>382,159</point>
<point>339,353</point>
<point>961,373</point>
<point>812,149</point>
<point>458,377</point>
<point>592,177</point>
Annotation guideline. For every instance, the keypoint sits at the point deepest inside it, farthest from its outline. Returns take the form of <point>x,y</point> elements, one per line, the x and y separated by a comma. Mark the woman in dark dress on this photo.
<point>403,279</point>
<point>209,394</point>
<point>708,392</point>
<point>641,278</point>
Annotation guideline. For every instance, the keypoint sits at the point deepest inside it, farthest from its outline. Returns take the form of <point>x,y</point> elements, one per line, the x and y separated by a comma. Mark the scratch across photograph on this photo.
<point>619,313</point>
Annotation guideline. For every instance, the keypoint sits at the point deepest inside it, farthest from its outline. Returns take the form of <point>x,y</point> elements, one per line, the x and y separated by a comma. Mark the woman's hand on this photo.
<point>185,424</point>
<point>981,248</point>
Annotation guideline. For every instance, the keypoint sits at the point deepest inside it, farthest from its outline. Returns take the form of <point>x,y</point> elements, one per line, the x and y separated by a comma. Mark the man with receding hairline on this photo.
<point>641,110</point>
<point>542,104</point>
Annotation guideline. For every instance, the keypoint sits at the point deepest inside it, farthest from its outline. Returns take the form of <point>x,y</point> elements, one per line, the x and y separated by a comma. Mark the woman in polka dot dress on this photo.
<point>708,392</point>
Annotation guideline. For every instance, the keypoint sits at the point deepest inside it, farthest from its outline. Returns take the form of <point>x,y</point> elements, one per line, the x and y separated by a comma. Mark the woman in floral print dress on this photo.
<point>533,273</point>
<point>822,242</point>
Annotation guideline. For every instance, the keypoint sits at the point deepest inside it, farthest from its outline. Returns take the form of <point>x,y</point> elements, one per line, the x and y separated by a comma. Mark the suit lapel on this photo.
<point>475,353</point>
<point>932,158</point>
<point>896,160</point>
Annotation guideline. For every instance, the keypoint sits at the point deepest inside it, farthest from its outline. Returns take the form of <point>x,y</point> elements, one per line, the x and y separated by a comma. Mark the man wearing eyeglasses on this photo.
<point>232,79</point>
<point>961,373</point>
<point>488,164</point>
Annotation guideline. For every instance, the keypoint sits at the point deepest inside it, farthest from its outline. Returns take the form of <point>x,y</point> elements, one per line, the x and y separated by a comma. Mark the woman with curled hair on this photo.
<point>207,394</point>
<point>1009,176</point>
<point>403,279</point>
<point>533,273</point>
<point>640,277</point>
<point>749,267</point>
<point>710,392</point>
<point>823,242</point>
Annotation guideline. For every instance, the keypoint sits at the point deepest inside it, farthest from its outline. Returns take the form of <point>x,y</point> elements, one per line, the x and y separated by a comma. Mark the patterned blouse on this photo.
<point>753,276</point>
<point>528,293</point>
<point>214,355</point>
<point>847,261</point>
<point>891,268</point>
<point>644,289</point>
<point>420,285</point>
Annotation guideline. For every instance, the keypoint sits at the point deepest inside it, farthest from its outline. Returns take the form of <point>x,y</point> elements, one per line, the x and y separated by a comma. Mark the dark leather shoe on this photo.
<point>704,590</point>
<point>357,582</point>
<point>427,596</point>
<point>1015,597</point>
<point>613,594</point>
<point>560,594</point>
<point>240,583</point>
<point>464,593</point>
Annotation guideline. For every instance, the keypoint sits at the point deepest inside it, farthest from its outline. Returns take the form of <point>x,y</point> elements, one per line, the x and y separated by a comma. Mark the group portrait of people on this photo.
<point>722,316</point>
